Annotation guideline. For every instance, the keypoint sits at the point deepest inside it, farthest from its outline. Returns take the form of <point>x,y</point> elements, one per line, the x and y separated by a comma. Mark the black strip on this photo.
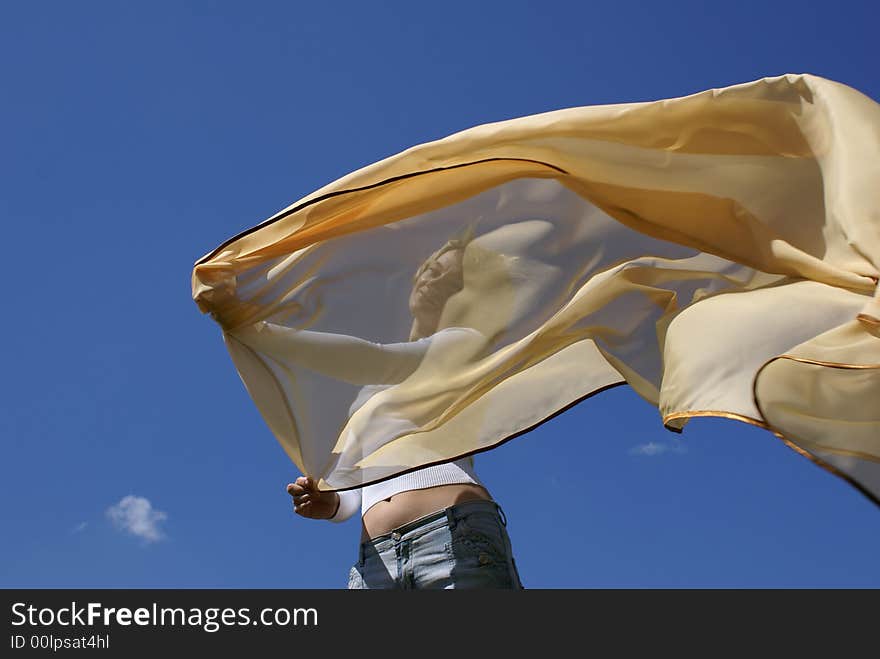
<point>487,448</point>
<point>291,211</point>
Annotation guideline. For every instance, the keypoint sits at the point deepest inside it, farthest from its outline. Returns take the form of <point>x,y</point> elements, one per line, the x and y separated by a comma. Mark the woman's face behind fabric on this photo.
<point>439,280</point>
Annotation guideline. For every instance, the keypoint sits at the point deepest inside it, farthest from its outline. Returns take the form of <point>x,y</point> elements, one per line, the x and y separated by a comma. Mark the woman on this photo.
<point>436,527</point>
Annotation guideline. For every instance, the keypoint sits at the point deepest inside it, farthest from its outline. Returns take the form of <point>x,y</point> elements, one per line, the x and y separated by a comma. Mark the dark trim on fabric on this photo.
<point>487,448</point>
<point>393,179</point>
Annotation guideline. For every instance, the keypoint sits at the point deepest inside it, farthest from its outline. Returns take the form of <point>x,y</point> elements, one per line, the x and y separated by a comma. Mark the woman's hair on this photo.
<point>458,242</point>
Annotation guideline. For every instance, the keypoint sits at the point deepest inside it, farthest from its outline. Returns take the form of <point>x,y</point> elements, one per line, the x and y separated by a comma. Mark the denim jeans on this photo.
<point>464,546</point>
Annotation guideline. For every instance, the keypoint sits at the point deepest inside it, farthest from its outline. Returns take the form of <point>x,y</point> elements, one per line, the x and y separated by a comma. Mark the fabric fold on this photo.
<point>701,249</point>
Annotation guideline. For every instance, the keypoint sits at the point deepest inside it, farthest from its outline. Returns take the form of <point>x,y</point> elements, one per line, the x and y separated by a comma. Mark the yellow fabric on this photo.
<point>682,246</point>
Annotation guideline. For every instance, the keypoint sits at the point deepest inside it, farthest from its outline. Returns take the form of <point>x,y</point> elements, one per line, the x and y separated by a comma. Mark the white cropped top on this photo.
<point>448,473</point>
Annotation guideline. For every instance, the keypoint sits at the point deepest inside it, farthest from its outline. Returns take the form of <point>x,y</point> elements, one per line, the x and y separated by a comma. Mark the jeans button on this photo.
<point>395,536</point>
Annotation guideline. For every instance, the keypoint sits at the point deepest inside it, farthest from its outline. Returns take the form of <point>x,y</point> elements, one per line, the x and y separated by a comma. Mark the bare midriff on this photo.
<point>385,516</point>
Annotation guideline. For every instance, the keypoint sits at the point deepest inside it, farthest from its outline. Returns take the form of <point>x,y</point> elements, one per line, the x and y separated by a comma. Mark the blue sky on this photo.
<point>138,136</point>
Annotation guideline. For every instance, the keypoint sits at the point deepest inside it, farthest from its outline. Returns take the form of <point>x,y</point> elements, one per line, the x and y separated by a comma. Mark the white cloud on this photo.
<point>136,515</point>
<point>654,448</point>
<point>79,527</point>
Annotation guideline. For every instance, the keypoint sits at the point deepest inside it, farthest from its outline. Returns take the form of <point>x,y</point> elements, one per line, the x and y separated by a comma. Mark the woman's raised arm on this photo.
<point>339,356</point>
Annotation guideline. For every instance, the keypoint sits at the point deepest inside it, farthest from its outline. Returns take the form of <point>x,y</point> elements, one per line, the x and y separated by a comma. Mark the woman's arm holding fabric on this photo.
<point>310,502</point>
<point>339,356</point>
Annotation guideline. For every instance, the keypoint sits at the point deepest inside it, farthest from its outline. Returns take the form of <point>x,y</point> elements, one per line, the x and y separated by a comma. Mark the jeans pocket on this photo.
<point>480,554</point>
<point>478,543</point>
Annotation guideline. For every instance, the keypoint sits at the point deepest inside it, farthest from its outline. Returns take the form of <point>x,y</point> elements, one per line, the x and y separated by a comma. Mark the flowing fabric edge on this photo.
<point>791,442</point>
<point>718,414</point>
<point>495,444</point>
<point>753,422</point>
<point>286,212</point>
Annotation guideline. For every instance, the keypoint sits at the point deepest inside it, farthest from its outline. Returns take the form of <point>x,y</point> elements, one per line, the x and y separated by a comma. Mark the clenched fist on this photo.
<point>310,502</point>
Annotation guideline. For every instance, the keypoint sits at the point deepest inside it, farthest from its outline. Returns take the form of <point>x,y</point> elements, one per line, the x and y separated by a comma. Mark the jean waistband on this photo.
<point>449,515</point>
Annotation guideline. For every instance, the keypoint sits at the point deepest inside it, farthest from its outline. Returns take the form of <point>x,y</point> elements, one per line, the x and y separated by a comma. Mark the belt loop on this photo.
<point>501,513</point>
<point>361,554</point>
<point>450,517</point>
